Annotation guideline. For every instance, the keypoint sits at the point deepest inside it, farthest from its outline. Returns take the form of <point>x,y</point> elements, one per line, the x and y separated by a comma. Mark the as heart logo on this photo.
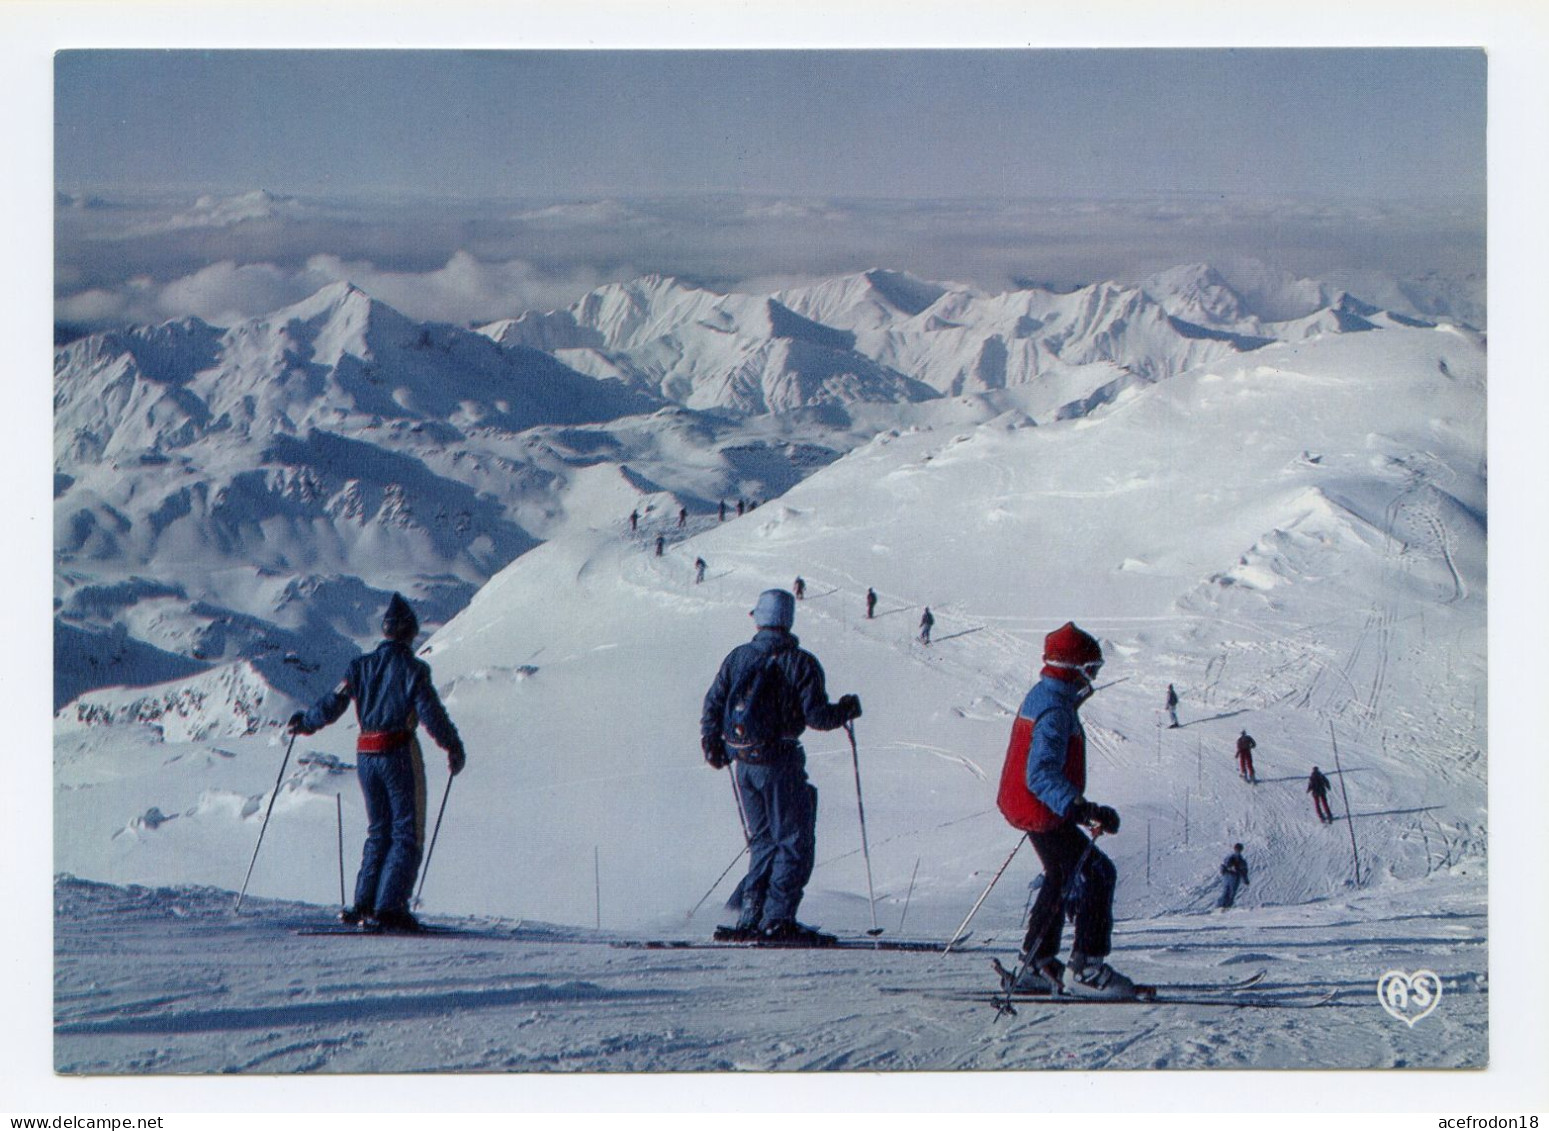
<point>1409,997</point>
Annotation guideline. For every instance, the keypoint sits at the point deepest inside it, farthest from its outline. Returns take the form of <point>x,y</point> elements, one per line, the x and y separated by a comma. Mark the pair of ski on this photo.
<point>430,930</point>
<point>1227,994</point>
<point>425,931</point>
<point>840,943</point>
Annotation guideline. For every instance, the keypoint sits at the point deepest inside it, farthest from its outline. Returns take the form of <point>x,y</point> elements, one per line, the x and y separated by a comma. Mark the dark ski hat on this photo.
<point>1236,848</point>
<point>399,621</point>
<point>775,609</point>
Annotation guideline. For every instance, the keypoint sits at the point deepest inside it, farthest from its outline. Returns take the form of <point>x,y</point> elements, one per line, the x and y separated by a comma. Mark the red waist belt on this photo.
<point>381,741</point>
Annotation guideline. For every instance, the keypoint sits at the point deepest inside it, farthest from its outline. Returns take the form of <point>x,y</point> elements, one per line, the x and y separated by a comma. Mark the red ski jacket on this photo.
<point>1045,769</point>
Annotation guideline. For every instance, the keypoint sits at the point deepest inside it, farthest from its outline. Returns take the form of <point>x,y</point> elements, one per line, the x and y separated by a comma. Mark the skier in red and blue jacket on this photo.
<point>1042,792</point>
<point>393,694</point>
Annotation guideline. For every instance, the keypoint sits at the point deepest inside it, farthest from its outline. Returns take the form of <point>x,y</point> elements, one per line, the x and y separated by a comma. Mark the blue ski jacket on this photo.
<point>1045,767</point>
<point>805,702</point>
<point>392,693</point>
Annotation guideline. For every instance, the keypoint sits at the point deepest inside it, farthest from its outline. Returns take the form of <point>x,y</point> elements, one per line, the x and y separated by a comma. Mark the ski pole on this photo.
<point>718,880</point>
<point>742,813</point>
<point>974,910</point>
<point>338,807</point>
<point>1003,1006</point>
<point>855,758</point>
<point>734,901</point>
<point>437,832</point>
<point>265,826</point>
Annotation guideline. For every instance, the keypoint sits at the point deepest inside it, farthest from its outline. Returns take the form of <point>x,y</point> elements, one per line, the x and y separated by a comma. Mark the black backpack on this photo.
<point>752,723</point>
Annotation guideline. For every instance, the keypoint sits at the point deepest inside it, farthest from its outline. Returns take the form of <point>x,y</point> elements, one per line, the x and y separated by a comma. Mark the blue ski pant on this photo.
<point>1229,885</point>
<point>1088,898</point>
<point>782,807</point>
<point>393,785</point>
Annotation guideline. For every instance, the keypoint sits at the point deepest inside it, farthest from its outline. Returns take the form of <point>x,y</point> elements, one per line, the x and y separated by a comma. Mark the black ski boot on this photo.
<point>1042,978</point>
<point>396,922</point>
<point>738,933</point>
<point>355,916</point>
<point>788,932</point>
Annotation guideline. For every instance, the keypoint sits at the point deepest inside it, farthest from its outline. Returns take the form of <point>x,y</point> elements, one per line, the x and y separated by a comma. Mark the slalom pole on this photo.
<point>909,896</point>
<point>338,806</point>
<point>436,833</point>
<point>855,758</point>
<point>957,935</point>
<point>1355,856</point>
<point>265,826</point>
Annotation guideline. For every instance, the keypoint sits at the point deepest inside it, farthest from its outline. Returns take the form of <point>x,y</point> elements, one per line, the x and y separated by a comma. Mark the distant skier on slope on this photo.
<point>1318,786</point>
<point>699,570</point>
<point>927,622</point>
<point>871,603</point>
<point>393,693</point>
<point>801,589</point>
<point>765,694</point>
<point>634,521</point>
<point>1245,745</point>
<point>1042,788</point>
<point>661,542</point>
<point>1172,707</point>
<point>1234,874</point>
<point>682,517</point>
<point>721,514</point>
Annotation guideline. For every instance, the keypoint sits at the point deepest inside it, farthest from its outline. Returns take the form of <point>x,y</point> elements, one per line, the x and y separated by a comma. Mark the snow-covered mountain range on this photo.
<point>249,495</point>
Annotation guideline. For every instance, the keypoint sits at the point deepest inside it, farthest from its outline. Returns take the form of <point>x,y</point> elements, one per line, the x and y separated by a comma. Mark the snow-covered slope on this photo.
<point>253,494</point>
<point>1295,539</point>
<point>166,980</point>
<point>248,495</point>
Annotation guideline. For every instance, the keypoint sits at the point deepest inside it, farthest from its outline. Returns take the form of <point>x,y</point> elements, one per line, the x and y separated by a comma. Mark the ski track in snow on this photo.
<point>169,981</point>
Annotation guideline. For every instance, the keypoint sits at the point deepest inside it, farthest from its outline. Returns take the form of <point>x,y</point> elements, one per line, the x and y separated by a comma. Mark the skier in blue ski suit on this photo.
<point>392,693</point>
<point>780,804</point>
<point>1234,874</point>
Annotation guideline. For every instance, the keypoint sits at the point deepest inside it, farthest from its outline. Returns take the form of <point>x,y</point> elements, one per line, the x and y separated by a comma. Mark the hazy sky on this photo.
<point>1353,123</point>
<point>463,185</point>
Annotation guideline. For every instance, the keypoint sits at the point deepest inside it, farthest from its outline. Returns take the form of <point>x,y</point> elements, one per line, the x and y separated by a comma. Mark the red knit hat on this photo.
<point>1067,650</point>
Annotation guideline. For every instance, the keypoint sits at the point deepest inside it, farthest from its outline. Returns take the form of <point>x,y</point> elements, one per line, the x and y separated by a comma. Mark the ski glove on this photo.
<point>456,759</point>
<point>851,706</point>
<point>1104,817</point>
<point>715,751</point>
<point>297,724</point>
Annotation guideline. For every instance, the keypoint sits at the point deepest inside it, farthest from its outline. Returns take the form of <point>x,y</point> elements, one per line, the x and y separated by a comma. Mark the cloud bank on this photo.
<point>222,259</point>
